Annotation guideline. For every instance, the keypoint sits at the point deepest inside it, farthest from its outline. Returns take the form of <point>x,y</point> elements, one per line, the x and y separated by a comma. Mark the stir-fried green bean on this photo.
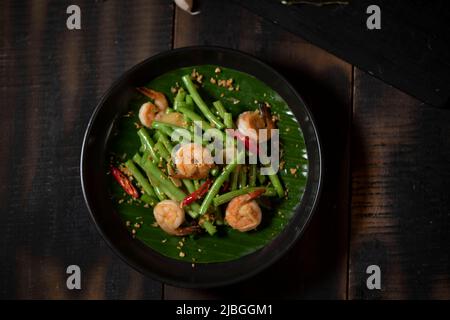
<point>166,185</point>
<point>228,120</point>
<point>252,175</point>
<point>148,143</point>
<point>189,185</point>
<point>189,102</point>
<point>142,181</point>
<point>220,108</point>
<point>227,197</point>
<point>152,201</point>
<point>165,141</point>
<point>179,98</point>
<point>196,184</point>
<point>243,177</point>
<point>209,227</point>
<point>218,217</point>
<point>159,193</point>
<point>194,117</point>
<point>235,178</point>
<point>261,178</point>
<point>277,184</point>
<point>162,126</point>
<point>214,172</point>
<point>200,103</point>
<point>218,183</point>
<point>162,151</point>
<point>160,179</point>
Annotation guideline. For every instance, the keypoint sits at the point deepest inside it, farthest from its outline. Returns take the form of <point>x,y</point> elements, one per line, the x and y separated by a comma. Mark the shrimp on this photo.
<point>243,213</point>
<point>150,111</point>
<point>192,162</point>
<point>147,113</point>
<point>250,122</point>
<point>159,99</point>
<point>170,216</point>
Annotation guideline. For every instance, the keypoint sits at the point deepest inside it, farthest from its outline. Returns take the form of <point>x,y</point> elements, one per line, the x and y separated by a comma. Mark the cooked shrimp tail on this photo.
<point>158,97</point>
<point>185,231</point>
<point>256,194</point>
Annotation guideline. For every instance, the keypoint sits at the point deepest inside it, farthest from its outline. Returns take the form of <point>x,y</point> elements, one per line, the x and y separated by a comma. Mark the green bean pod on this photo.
<point>179,98</point>
<point>218,183</point>
<point>235,178</point>
<point>148,143</point>
<point>152,201</point>
<point>228,120</point>
<point>227,197</point>
<point>277,184</point>
<point>220,108</point>
<point>200,103</point>
<point>243,177</point>
<point>142,181</point>
<point>252,175</point>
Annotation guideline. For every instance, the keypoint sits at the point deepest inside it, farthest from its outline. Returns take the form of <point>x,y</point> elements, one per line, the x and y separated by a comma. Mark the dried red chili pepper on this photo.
<point>124,182</point>
<point>197,194</point>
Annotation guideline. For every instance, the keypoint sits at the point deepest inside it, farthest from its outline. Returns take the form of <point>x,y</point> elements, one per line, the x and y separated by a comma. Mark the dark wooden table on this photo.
<point>386,193</point>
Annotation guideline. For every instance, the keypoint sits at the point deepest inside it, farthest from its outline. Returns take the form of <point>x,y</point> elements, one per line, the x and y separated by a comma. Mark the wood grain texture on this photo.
<point>317,266</point>
<point>51,80</point>
<point>410,51</point>
<point>400,194</point>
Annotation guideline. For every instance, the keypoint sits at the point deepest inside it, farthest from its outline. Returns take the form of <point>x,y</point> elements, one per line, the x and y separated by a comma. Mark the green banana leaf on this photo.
<point>227,244</point>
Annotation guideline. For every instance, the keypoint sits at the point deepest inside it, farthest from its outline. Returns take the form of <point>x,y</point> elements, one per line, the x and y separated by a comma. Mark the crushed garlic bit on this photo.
<point>197,76</point>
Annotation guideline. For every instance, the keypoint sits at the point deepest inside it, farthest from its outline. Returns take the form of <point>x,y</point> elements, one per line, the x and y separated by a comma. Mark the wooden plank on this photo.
<point>410,51</point>
<point>317,266</point>
<point>51,80</point>
<point>400,198</point>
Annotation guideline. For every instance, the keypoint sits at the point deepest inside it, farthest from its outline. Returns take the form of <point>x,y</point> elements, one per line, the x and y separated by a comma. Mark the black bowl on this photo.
<point>107,220</point>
